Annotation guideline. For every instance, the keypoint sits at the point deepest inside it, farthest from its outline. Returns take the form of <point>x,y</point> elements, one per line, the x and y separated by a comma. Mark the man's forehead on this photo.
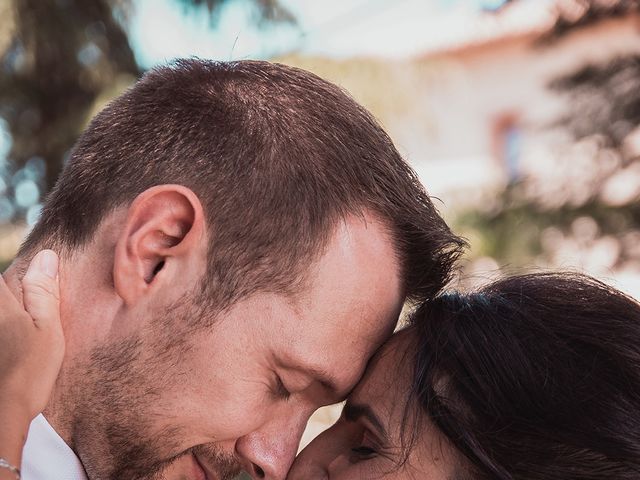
<point>327,349</point>
<point>360,251</point>
<point>334,372</point>
<point>335,351</point>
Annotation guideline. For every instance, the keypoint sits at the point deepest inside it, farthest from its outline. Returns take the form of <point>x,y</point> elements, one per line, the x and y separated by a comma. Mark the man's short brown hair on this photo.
<point>276,155</point>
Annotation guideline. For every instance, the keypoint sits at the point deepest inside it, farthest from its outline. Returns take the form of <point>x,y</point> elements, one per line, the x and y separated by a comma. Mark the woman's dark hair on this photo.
<point>534,377</point>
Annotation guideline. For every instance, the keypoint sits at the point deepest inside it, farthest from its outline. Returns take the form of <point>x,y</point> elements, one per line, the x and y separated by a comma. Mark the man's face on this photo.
<point>172,402</point>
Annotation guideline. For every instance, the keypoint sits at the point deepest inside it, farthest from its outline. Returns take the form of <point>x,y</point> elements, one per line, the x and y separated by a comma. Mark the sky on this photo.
<point>161,29</point>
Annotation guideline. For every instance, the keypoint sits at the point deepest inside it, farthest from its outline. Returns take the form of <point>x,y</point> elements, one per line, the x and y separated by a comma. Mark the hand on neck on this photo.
<point>79,326</point>
<point>13,276</point>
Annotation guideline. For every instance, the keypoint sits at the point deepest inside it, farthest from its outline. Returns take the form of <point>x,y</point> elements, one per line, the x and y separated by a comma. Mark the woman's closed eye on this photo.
<point>363,452</point>
<point>369,444</point>
<point>366,448</point>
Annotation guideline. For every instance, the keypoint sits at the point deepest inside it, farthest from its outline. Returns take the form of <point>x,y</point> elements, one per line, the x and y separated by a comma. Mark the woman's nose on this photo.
<point>305,469</point>
<point>314,462</point>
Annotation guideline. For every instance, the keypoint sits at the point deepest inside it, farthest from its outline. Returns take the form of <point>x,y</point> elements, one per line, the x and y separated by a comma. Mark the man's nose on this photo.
<point>269,453</point>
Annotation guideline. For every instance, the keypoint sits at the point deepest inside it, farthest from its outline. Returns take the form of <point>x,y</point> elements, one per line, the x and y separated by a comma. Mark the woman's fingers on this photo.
<point>31,342</point>
<point>44,346</point>
<point>7,299</point>
<point>41,294</point>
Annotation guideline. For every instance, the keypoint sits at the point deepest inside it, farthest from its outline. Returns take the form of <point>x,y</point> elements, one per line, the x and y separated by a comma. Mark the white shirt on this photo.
<point>46,457</point>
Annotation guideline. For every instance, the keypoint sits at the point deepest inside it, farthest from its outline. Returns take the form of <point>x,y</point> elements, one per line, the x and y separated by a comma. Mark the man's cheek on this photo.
<point>240,417</point>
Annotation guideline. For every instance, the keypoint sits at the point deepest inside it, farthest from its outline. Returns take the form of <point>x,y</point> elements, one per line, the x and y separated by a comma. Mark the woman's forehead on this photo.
<point>388,375</point>
<point>387,389</point>
<point>395,357</point>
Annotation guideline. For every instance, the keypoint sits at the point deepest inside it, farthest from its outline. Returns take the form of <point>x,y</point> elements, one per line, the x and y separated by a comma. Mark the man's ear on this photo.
<point>164,225</point>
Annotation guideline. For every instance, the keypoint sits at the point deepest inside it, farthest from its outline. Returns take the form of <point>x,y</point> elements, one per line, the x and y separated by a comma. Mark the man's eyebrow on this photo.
<point>325,379</point>
<point>352,412</point>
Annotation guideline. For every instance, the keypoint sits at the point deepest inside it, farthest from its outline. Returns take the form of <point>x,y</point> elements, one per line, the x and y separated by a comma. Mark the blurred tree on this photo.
<point>62,55</point>
<point>574,14</point>
<point>601,185</point>
<point>604,101</point>
<point>57,57</point>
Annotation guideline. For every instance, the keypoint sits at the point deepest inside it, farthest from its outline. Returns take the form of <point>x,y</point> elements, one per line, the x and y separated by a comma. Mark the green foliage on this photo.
<point>511,231</point>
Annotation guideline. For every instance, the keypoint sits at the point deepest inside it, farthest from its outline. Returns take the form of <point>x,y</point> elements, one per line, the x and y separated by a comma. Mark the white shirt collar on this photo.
<point>46,457</point>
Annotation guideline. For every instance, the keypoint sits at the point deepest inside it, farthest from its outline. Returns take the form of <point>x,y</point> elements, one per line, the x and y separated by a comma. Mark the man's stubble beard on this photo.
<point>115,429</point>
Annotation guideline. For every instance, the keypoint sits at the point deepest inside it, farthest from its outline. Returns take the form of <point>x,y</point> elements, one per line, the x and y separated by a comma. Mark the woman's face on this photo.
<point>366,442</point>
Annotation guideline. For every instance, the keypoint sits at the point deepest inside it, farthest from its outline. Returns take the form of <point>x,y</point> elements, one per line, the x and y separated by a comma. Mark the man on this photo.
<point>236,240</point>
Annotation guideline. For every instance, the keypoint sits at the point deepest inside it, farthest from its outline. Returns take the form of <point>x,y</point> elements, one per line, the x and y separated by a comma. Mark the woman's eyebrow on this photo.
<point>354,411</point>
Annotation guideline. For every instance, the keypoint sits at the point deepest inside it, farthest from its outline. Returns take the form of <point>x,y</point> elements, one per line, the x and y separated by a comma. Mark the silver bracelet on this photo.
<point>8,466</point>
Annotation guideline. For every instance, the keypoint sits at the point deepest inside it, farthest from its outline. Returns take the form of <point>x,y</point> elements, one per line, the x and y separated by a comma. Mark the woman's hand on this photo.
<point>31,351</point>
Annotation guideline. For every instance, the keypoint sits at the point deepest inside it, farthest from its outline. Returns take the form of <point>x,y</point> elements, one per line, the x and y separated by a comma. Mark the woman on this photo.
<point>30,355</point>
<point>532,377</point>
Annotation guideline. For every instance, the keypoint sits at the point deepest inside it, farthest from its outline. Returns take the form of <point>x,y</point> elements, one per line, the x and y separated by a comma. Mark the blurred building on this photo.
<point>489,91</point>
